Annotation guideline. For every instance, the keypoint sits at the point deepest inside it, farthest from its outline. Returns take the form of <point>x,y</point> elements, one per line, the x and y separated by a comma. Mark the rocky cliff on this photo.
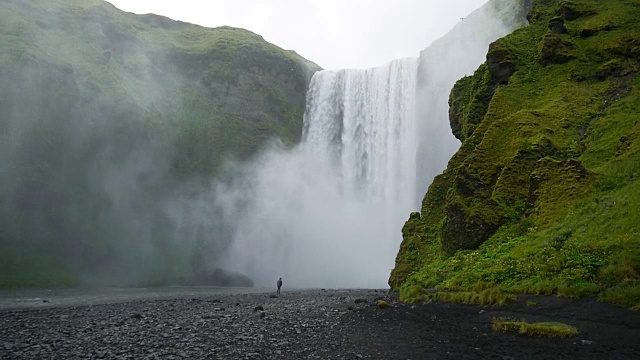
<point>111,122</point>
<point>542,196</point>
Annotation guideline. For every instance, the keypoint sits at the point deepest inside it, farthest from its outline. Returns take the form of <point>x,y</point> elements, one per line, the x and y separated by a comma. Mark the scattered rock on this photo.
<point>305,325</point>
<point>136,316</point>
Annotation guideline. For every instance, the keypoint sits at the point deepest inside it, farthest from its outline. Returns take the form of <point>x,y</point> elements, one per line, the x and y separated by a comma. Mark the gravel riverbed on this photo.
<point>314,324</point>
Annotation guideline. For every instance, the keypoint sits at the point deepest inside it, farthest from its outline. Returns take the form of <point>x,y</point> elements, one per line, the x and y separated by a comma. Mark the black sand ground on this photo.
<point>312,325</point>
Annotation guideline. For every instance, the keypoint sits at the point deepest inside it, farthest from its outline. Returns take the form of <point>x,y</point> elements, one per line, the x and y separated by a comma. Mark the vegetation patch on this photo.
<point>486,297</point>
<point>540,329</point>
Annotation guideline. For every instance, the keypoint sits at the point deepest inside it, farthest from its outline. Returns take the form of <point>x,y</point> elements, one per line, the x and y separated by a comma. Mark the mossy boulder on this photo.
<point>556,25</point>
<point>572,10</point>
<point>469,101</point>
<point>556,48</point>
<point>500,62</point>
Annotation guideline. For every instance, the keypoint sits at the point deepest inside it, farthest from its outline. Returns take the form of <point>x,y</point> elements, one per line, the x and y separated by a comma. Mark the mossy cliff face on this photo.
<point>542,196</point>
<point>112,123</point>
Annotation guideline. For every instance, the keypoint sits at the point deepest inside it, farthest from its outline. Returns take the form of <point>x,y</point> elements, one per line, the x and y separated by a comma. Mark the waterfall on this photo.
<point>322,214</point>
<point>329,212</point>
<point>363,121</point>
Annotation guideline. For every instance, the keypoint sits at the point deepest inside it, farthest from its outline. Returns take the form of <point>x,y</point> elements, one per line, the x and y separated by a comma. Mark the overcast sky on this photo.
<point>333,33</point>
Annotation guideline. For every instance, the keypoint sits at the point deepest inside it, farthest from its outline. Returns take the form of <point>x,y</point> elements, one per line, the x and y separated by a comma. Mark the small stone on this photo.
<point>136,316</point>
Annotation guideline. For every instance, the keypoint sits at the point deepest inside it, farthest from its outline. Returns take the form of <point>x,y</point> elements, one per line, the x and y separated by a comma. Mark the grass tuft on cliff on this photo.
<point>543,195</point>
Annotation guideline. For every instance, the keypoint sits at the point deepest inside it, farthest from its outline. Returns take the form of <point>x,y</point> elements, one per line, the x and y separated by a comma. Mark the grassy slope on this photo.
<point>165,72</point>
<point>89,94</point>
<point>543,195</point>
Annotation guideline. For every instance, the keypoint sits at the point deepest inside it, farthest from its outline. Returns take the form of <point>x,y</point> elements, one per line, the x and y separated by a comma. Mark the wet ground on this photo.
<point>317,324</point>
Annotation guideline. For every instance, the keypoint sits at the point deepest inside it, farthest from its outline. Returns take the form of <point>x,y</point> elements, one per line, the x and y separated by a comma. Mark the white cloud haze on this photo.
<point>333,33</point>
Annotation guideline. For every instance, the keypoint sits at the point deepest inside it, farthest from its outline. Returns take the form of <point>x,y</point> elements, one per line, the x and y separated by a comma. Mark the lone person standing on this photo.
<point>279,283</point>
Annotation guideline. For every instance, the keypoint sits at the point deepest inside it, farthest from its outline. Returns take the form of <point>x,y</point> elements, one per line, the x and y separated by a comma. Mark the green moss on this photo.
<point>626,294</point>
<point>411,294</point>
<point>540,329</point>
<point>487,297</point>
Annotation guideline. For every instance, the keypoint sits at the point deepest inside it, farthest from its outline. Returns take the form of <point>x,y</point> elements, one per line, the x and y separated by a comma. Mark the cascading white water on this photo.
<point>363,121</point>
<point>329,212</point>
